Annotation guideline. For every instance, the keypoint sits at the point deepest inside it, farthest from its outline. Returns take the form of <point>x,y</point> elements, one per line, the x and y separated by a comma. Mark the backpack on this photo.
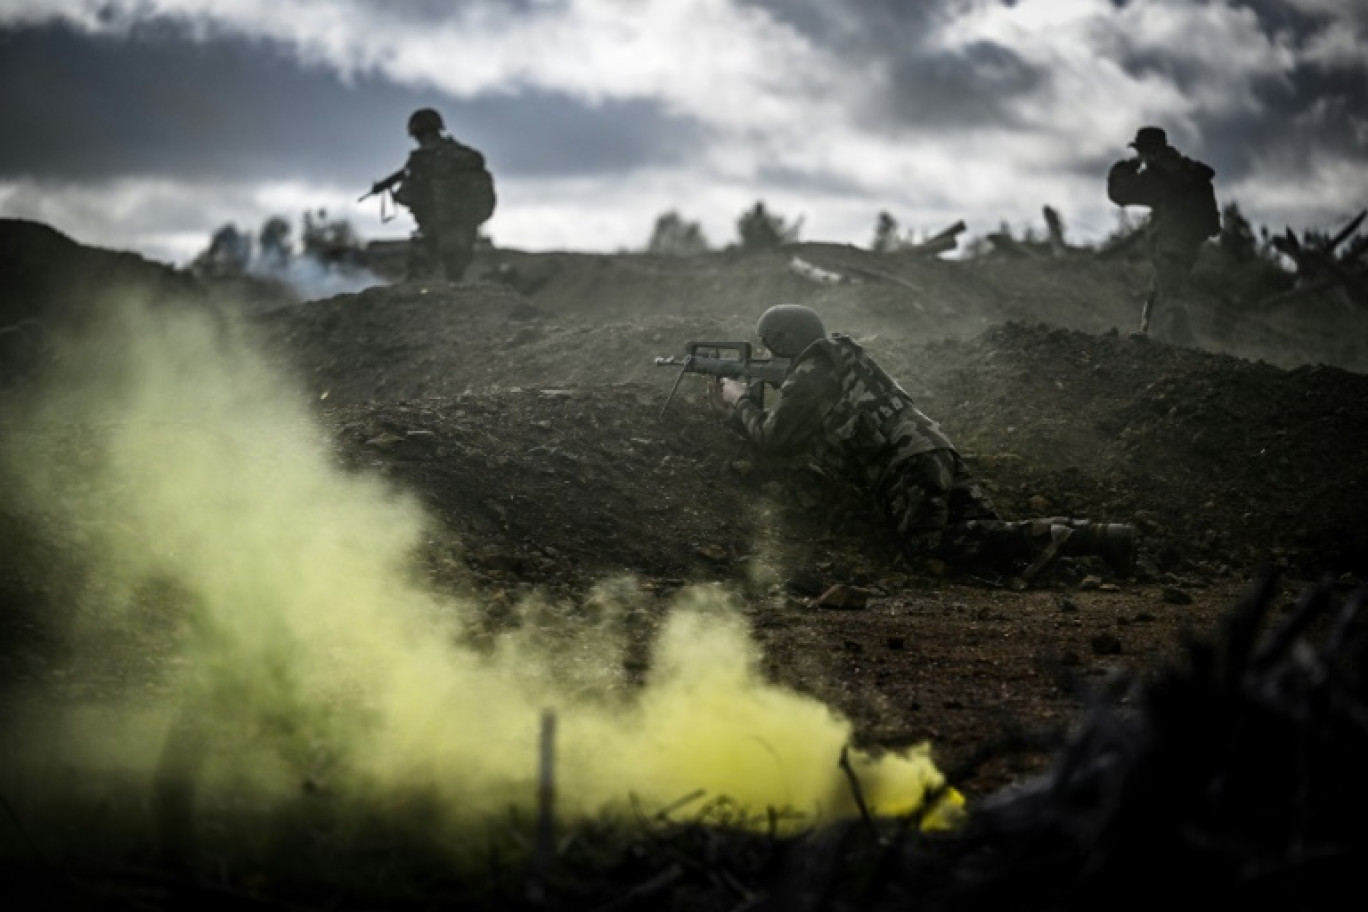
<point>481,197</point>
<point>461,179</point>
<point>1207,214</point>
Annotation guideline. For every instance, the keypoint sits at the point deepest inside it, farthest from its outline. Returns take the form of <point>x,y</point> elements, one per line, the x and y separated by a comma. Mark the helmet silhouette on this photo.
<point>424,121</point>
<point>787,329</point>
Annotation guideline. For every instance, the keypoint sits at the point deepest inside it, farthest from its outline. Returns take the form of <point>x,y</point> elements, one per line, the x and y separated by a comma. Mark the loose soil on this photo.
<point>536,425</point>
<point>525,411</point>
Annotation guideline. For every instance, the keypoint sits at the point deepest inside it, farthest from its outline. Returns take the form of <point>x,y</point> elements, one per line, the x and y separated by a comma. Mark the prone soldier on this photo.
<point>842,415</point>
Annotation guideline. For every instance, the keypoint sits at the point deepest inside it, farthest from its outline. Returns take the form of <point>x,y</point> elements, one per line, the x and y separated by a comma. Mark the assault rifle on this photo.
<point>730,360</point>
<point>384,185</point>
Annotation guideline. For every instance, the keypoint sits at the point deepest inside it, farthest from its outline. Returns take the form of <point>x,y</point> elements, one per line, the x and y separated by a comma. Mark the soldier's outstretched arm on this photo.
<point>796,417</point>
<point>1128,184</point>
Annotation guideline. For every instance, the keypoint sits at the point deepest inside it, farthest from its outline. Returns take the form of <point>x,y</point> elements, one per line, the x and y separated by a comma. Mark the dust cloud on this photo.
<point>246,624</point>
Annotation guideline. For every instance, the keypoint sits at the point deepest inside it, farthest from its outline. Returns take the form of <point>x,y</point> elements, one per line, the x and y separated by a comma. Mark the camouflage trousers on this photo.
<point>442,252</point>
<point>1168,310</point>
<point>939,511</point>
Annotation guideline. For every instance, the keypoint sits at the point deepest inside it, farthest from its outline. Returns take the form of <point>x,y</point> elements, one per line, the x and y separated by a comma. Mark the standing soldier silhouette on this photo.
<point>450,192</point>
<point>1183,214</point>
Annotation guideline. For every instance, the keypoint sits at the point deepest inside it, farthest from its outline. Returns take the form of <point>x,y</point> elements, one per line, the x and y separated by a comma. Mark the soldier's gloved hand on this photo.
<point>731,391</point>
<point>717,399</point>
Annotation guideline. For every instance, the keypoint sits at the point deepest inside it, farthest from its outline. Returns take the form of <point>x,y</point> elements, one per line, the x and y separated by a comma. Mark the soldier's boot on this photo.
<point>1113,542</point>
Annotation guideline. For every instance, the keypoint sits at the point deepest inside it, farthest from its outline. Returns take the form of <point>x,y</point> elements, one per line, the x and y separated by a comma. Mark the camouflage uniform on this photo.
<point>849,420</point>
<point>450,193</point>
<point>1184,213</point>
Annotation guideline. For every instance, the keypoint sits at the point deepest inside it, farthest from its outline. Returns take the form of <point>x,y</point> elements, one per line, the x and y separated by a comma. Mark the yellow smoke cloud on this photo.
<point>259,625</point>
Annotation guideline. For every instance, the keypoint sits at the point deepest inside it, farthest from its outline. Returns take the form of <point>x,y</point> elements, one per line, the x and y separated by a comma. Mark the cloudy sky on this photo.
<point>145,124</point>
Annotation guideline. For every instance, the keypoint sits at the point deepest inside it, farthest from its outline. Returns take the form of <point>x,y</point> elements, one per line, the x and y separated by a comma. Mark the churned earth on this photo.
<point>525,408</point>
<point>524,411</point>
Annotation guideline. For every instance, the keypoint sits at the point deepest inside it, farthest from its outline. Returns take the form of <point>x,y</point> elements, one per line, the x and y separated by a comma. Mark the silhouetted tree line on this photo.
<point>757,229</point>
<point>326,241</point>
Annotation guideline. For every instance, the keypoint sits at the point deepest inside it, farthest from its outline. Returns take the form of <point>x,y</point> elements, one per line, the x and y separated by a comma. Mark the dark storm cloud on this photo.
<point>541,134</point>
<point>1274,15</point>
<point>1315,107</point>
<point>883,23</point>
<point>824,183</point>
<point>1310,107</point>
<point>444,10</point>
<point>152,103</point>
<point>978,85</point>
<point>135,13</point>
<point>914,82</point>
<point>1313,110</point>
<point>86,108</point>
<point>1279,16</point>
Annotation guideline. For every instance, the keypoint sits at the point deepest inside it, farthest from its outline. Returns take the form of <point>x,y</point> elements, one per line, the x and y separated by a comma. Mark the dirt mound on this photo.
<point>1227,463</point>
<point>1221,460</point>
<point>533,424</point>
<point>51,285</point>
<point>524,410</point>
<point>50,277</point>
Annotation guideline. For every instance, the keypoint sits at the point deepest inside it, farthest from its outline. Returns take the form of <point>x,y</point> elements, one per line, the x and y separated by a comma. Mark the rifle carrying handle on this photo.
<point>742,348</point>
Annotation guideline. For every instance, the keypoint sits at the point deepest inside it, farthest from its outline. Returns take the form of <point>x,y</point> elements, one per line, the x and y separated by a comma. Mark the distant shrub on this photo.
<point>760,229</point>
<point>1241,265</point>
<point>273,242</point>
<point>673,236</point>
<point>887,234</point>
<point>330,240</point>
<point>229,252</point>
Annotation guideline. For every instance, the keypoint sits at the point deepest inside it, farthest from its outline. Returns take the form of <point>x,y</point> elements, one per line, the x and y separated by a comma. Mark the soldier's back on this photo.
<point>461,180</point>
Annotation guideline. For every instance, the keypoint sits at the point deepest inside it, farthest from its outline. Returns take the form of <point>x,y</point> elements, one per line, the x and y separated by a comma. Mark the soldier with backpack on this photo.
<point>450,192</point>
<point>1183,214</point>
<point>839,414</point>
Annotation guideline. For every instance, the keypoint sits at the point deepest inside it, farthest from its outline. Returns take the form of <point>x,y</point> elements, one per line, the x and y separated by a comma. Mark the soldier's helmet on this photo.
<point>425,121</point>
<point>787,329</point>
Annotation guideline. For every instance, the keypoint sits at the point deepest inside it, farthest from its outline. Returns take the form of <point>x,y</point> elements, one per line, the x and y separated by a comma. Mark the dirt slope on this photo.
<point>1228,462</point>
<point>525,411</point>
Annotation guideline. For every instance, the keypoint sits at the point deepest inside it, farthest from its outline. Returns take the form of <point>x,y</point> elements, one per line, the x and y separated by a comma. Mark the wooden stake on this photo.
<point>543,850</point>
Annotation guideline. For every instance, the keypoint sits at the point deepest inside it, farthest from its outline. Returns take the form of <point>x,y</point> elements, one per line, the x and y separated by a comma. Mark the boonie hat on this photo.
<point>1149,139</point>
